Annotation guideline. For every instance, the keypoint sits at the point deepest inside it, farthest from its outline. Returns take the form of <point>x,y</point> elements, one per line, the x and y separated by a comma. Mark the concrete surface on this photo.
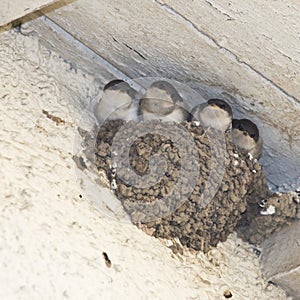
<point>281,259</point>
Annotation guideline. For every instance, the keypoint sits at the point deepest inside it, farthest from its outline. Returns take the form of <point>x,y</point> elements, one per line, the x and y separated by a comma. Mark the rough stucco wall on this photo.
<point>223,50</point>
<point>51,240</point>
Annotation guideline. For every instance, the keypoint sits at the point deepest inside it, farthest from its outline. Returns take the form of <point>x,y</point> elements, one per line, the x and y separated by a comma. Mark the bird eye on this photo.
<point>240,127</point>
<point>222,106</point>
<point>252,135</point>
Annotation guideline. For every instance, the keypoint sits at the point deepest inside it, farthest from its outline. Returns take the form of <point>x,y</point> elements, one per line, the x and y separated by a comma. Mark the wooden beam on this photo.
<point>14,10</point>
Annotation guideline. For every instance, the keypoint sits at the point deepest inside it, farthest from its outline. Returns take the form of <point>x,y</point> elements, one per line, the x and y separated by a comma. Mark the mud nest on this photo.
<point>199,205</point>
<point>268,216</point>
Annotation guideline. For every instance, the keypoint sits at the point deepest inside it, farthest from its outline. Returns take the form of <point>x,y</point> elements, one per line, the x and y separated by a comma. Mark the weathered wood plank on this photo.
<point>78,55</point>
<point>13,10</point>
<point>263,35</point>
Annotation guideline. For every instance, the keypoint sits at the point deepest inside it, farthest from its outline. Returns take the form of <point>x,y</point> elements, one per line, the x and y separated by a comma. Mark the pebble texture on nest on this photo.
<point>168,209</point>
<point>255,227</point>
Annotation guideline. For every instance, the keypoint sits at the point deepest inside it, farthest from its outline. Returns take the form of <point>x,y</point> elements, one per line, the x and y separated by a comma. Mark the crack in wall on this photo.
<point>130,48</point>
<point>211,40</point>
<point>135,51</point>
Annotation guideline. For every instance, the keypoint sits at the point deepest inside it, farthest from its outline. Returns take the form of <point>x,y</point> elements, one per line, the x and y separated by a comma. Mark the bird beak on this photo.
<point>215,106</point>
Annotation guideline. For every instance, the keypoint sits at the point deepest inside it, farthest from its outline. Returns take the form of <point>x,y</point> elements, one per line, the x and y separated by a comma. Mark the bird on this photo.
<point>117,102</point>
<point>162,102</point>
<point>215,113</point>
<point>245,135</point>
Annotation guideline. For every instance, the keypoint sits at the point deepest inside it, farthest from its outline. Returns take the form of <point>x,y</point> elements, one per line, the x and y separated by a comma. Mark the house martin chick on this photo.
<point>245,135</point>
<point>162,102</point>
<point>215,113</point>
<point>117,102</point>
